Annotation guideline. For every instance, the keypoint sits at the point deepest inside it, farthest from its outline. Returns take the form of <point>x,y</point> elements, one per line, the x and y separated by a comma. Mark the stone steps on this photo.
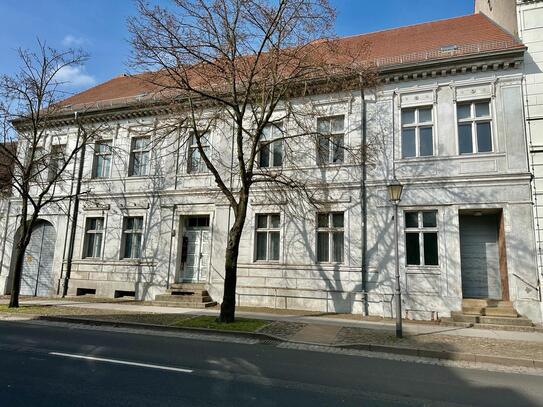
<point>185,304</point>
<point>482,313</point>
<point>185,295</point>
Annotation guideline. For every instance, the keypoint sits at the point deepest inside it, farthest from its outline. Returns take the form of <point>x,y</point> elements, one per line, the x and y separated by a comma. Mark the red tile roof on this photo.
<point>469,35</point>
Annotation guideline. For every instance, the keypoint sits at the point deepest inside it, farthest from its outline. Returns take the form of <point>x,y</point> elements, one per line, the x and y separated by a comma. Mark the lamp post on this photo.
<point>394,195</point>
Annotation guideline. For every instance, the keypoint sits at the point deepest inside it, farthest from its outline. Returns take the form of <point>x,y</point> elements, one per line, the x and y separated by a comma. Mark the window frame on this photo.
<point>417,125</point>
<point>268,231</point>
<point>94,232</point>
<point>140,152</point>
<point>132,232</point>
<point>329,136</point>
<point>57,154</point>
<point>191,148</point>
<point>421,230</point>
<point>268,145</point>
<point>331,230</point>
<point>473,120</point>
<point>101,154</point>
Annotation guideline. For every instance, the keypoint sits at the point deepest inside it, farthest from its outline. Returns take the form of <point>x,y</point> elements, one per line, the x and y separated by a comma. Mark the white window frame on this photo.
<point>192,147</point>
<point>330,230</point>
<point>417,125</point>
<point>268,230</point>
<point>275,132</point>
<point>126,232</point>
<point>331,136</point>
<point>473,120</point>
<point>140,152</point>
<point>86,241</point>
<point>420,230</point>
<point>101,154</point>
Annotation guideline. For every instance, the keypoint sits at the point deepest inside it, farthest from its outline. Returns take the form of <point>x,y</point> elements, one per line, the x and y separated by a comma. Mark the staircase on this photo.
<point>185,295</point>
<point>489,314</point>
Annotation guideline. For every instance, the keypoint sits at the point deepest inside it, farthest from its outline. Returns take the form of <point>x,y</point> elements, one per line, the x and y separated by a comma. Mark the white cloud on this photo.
<point>75,76</point>
<point>73,41</point>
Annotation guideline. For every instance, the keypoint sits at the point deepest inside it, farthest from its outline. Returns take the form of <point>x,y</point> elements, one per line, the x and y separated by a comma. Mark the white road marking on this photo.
<point>121,362</point>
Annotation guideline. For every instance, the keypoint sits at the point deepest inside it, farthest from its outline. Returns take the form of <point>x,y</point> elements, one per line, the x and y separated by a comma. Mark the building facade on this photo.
<point>446,121</point>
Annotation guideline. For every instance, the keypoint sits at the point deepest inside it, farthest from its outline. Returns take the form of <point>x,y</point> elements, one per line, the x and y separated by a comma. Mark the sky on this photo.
<point>99,27</point>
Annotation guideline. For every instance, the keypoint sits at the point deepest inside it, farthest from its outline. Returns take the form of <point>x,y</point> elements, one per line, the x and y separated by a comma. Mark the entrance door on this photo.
<point>197,256</point>
<point>479,255</point>
<point>37,277</point>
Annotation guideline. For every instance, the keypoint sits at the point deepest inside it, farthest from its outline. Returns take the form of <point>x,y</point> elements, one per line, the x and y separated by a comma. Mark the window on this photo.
<point>417,132</point>
<point>132,235</point>
<point>38,164</point>
<point>271,152</point>
<point>102,159</point>
<point>56,162</point>
<point>421,238</point>
<point>139,157</point>
<point>330,237</point>
<point>94,230</point>
<point>330,144</point>
<point>474,127</point>
<point>196,162</point>
<point>267,237</point>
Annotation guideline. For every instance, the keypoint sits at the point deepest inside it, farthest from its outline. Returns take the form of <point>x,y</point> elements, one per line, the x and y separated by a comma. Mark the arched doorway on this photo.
<point>37,277</point>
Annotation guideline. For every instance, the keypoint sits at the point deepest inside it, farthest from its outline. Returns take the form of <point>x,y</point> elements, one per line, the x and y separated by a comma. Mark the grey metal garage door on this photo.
<point>37,277</point>
<point>480,256</point>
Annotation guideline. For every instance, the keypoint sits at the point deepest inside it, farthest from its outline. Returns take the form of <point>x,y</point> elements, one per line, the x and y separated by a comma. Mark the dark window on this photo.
<point>474,127</point>
<point>196,163</point>
<point>139,157</point>
<point>102,159</point>
<point>132,237</point>
<point>417,132</point>
<point>94,231</point>
<point>267,236</point>
<point>421,243</point>
<point>330,143</point>
<point>330,237</point>
<point>271,152</point>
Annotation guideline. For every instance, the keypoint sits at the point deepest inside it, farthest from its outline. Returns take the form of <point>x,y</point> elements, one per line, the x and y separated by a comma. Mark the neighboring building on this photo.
<point>6,169</point>
<point>525,19</point>
<point>447,123</point>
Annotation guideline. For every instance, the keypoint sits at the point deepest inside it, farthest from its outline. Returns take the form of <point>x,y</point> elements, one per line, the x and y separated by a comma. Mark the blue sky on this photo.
<point>99,27</point>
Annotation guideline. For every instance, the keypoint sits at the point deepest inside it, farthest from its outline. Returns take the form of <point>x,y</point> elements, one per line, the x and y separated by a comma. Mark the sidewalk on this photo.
<point>509,348</point>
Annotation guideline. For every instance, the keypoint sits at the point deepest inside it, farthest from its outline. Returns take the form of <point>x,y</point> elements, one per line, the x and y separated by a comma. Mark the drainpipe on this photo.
<point>75,212</point>
<point>364,203</point>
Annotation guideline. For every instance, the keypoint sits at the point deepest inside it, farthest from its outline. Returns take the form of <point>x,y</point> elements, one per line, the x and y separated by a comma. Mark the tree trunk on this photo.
<point>228,306</point>
<point>20,249</point>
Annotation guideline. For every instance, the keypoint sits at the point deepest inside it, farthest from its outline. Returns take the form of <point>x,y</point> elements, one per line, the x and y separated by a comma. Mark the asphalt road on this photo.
<point>61,366</point>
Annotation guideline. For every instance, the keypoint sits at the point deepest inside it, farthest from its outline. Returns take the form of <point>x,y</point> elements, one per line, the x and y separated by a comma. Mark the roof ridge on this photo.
<point>408,26</point>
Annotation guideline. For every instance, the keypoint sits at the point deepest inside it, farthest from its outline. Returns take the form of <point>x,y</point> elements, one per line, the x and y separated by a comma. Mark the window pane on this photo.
<point>323,152</point>
<point>426,141</point>
<point>425,115</point>
<point>322,246</point>
<point>278,154</point>
<point>465,143</point>
<point>194,160</point>
<point>274,246</point>
<point>484,138</point>
<point>430,249</point>
<point>482,109</point>
<point>412,249</point>
<point>264,155</point>
<point>98,167</point>
<point>337,244</point>
<point>138,223</point>
<point>262,221</point>
<point>463,111</point>
<point>408,116</point>
<point>90,245</point>
<point>98,245</point>
<point>105,167</point>
<point>323,126</point>
<point>127,246</point>
<point>322,220</point>
<point>137,246</point>
<point>411,219</point>
<point>409,148</point>
<point>337,124</point>
<point>261,245</point>
<point>338,149</point>
<point>337,220</point>
<point>429,219</point>
<point>275,221</point>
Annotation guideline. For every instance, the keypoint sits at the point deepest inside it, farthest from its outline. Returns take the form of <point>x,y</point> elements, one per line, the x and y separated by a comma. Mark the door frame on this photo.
<point>180,268</point>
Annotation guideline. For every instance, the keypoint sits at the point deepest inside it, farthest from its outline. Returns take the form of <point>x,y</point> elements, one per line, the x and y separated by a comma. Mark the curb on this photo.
<point>271,339</point>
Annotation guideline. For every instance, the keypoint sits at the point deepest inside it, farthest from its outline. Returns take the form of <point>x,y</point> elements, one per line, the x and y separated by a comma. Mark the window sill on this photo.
<point>264,262</point>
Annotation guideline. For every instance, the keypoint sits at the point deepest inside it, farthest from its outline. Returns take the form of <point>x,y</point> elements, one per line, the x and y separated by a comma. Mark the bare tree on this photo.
<point>40,170</point>
<point>232,66</point>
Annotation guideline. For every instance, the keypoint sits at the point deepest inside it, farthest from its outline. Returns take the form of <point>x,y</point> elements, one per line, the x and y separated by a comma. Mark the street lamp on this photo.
<point>395,195</point>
